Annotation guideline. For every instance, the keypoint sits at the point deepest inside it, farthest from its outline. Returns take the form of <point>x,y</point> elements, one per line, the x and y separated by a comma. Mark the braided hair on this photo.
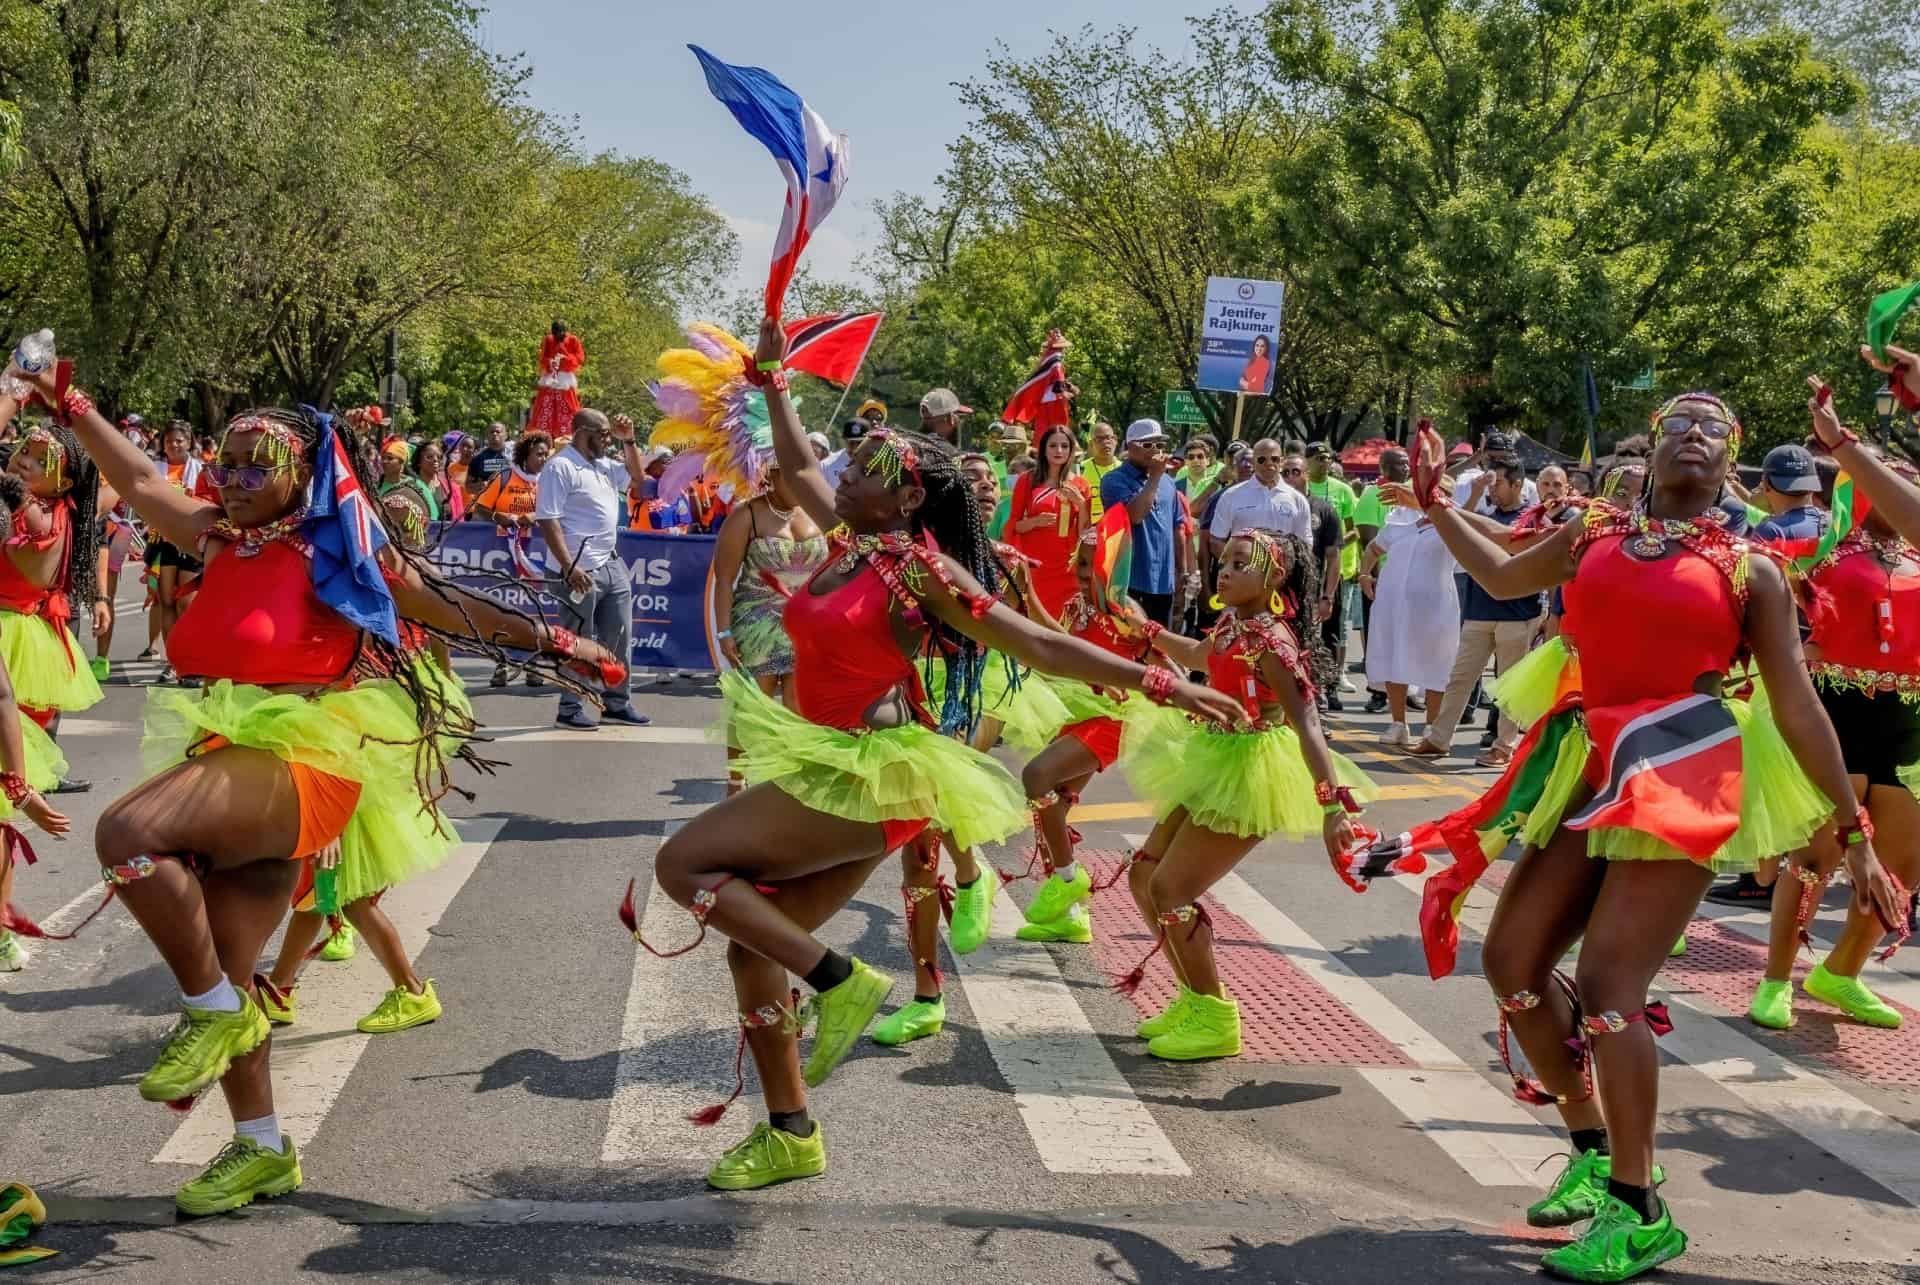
<point>950,515</point>
<point>83,540</point>
<point>1299,589</point>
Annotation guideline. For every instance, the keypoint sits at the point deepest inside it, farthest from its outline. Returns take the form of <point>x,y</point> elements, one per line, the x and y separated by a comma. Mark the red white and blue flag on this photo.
<point>812,158</point>
<point>346,538</point>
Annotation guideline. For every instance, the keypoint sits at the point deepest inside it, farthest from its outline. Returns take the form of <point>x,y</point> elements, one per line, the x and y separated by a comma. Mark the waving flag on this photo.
<point>812,158</point>
<point>832,346</point>
<point>1042,400</point>
<point>346,536</point>
<point>1113,558</point>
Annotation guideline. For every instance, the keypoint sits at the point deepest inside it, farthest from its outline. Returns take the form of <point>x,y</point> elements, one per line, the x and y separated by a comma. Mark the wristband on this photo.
<point>74,404</point>
<point>1859,832</point>
<point>1334,810</point>
<point>1157,684</point>
<point>561,641</point>
<point>15,787</point>
<point>768,366</point>
<point>722,633</point>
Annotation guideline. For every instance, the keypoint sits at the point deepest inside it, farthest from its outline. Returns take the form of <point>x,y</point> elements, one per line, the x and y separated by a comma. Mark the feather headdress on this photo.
<point>703,396</point>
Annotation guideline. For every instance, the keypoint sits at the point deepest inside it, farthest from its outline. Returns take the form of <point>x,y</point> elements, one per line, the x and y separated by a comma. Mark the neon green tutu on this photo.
<point>1083,702</point>
<point>45,673</point>
<point>1030,715</point>
<point>1532,685</point>
<point>896,774</point>
<point>393,834</point>
<point>1250,784</point>
<point>1779,807</point>
<point>45,767</point>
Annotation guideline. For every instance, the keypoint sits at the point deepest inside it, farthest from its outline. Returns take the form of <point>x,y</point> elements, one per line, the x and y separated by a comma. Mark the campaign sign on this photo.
<point>1239,336</point>
<point>668,573</point>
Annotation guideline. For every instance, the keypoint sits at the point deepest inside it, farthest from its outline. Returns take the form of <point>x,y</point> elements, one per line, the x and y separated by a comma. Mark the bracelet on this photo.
<point>1334,810</point>
<point>561,641</point>
<point>1157,684</point>
<point>768,366</point>
<point>15,787</point>
<point>74,404</point>
<point>1859,832</point>
<point>722,633</point>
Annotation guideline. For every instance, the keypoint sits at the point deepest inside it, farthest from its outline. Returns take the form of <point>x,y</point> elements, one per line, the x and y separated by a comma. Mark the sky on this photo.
<point>882,73</point>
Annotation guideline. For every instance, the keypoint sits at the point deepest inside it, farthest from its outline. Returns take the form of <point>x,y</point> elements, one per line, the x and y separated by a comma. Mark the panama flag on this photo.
<point>812,158</point>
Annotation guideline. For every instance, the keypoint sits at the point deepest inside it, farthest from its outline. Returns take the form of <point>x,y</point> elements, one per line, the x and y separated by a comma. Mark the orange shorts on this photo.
<point>898,834</point>
<point>1101,736</point>
<point>326,801</point>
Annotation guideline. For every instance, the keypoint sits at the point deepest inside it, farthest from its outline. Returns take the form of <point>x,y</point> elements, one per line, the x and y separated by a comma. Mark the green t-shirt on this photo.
<point>1370,510</point>
<point>997,531</point>
<point>1346,504</point>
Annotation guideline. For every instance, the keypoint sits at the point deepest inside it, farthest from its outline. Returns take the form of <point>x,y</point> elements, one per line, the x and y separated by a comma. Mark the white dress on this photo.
<point>1416,609</point>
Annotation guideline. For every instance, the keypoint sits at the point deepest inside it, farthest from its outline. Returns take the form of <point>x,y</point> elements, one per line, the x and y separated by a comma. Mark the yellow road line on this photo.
<point>1133,809</point>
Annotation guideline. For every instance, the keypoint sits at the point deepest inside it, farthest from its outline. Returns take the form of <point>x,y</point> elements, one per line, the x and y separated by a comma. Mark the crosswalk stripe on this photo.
<point>1773,1086</point>
<point>313,1059</point>
<point>1898,978</point>
<point>672,1005</point>
<point>610,732</point>
<point>1484,1130</point>
<point>1080,1111</point>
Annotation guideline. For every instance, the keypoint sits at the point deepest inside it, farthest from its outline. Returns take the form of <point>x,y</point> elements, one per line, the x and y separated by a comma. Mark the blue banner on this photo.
<point>669,575</point>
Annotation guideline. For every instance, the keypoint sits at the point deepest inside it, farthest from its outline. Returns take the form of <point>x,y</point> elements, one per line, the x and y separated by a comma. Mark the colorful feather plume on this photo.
<point>703,394</point>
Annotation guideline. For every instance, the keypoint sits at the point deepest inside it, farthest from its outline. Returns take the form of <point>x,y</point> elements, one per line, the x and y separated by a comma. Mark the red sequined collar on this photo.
<point>1256,636</point>
<point>1647,537</point>
<point>248,541</point>
<point>902,563</point>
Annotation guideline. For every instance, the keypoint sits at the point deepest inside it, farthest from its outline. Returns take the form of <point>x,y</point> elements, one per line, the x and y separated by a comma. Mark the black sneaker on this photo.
<point>1334,704</point>
<point>1742,890</point>
<point>499,678</point>
<point>1376,702</point>
<point>71,785</point>
<point>1486,739</point>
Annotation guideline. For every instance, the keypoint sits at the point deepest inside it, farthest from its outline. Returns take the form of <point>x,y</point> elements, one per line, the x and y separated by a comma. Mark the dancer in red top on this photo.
<point>1088,743</point>
<point>1217,794</point>
<point>308,720</point>
<point>1647,781</point>
<point>556,394</point>
<point>862,767</point>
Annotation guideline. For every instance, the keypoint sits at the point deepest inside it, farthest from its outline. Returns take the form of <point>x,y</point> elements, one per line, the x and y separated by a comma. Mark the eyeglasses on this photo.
<point>1712,425</point>
<point>248,477</point>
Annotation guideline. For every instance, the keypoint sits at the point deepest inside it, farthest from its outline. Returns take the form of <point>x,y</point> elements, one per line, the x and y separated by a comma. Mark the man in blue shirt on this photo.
<point>1160,561</point>
<point>1790,492</point>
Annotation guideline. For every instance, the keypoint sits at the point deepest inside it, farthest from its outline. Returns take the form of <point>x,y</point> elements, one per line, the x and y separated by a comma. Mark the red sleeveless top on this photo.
<point>257,620</point>
<point>845,656</point>
<point>17,593</point>
<point>1867,618</point>
<point>1648,629</point>
<point>1235,671</point>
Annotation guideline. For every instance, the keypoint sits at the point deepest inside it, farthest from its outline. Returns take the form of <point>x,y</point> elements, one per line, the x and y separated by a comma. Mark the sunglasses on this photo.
<point>1712,425</point>
<point>1289,472</point>
<point>248,477</point>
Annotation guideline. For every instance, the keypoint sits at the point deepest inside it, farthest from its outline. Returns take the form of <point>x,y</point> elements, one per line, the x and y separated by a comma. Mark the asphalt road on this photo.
<point>537,1131</point>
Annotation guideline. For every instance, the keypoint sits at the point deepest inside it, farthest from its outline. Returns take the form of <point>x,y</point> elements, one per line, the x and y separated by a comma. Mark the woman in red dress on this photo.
<point>557,392</point>
<point>1049,510</point>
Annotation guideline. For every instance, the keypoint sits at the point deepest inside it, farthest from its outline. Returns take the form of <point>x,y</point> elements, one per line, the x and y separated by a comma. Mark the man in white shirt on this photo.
<point>1471,484</point>
<point>579,510</point>
<point>835,464</point>
<point>1263,502</point>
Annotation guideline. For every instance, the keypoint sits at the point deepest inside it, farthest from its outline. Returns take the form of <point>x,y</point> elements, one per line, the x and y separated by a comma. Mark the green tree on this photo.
<point>1498,186</point>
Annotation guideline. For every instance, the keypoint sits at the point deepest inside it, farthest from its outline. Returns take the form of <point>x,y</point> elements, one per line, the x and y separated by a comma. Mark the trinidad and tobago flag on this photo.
<point>832,346</point>
<point>1043,400</point>
<point>1672,770</point>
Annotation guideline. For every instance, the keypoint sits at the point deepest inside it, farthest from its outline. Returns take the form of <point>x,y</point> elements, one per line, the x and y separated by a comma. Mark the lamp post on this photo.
<point>1883,404</point>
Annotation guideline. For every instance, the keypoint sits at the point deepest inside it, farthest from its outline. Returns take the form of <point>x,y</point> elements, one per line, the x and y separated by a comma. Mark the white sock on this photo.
<point>221,999</point>
<point>265,1131</point>
<point>1067,873</point>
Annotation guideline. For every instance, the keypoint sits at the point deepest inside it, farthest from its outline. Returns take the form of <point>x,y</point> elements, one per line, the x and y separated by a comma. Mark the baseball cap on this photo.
<point>1319,450</point>
<point>942,401</point>
<point>1790,470</point>
<point>1145,430</point>
<point>855,429</point>
<point>1498,440</point>
<point>819,442</point>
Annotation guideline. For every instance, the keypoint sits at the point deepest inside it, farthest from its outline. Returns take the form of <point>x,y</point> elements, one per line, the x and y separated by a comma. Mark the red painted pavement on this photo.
<point>1285,1016</point>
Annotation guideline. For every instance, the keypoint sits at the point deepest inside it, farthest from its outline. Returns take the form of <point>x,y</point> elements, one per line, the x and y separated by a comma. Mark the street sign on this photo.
<point>1642,382</point>
<point>1182,408</point>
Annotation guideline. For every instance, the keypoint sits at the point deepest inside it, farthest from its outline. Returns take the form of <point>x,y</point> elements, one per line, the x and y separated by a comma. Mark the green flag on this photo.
<point>1885,312</point>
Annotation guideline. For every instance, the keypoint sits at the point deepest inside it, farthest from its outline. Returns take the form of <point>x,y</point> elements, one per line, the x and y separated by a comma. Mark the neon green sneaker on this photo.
<point>1617,1246</point>
<point>13,956</point>
<point>1576,1196</point>
<point>769,1155</point>
<point>1057,896</point>
<point>401,1010</point>
<point>1851,996</point>
<point>844,1012</point>
<point>1075,926</point>
<point>972,907</point>
<point>1168,1018</point>
<point>1679,947</point>
<point>1772,1005</point>
<point>339,946</point>
<point>1210,1028</point>
<point>916,1021</point>
<point>202,1049</point>
<point>280,1006</point>
<point>242,1171</point>
<point>101,667</point>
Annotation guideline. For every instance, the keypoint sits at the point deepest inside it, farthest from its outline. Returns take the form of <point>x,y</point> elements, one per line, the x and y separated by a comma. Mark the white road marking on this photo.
<point>74,911</point>
<point>313,1059</point>
<point>1898,979</point>
<point>607,732</point>
<point>1480,1126</point>
<point>1771,1085</point>
<point>672,1004</point>
<point>1080,1111</point>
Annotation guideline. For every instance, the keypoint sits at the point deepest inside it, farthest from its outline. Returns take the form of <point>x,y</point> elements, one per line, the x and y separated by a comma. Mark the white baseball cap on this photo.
<point>1145,430</point>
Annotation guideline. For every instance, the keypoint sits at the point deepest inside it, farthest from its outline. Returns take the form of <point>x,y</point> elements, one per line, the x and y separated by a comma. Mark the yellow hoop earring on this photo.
<point>1216,604</point>
<point>1277,604</point>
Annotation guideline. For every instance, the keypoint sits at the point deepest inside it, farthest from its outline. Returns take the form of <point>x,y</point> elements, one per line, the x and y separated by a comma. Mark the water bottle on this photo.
<point>326,890</point>
<point>34,353</point>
